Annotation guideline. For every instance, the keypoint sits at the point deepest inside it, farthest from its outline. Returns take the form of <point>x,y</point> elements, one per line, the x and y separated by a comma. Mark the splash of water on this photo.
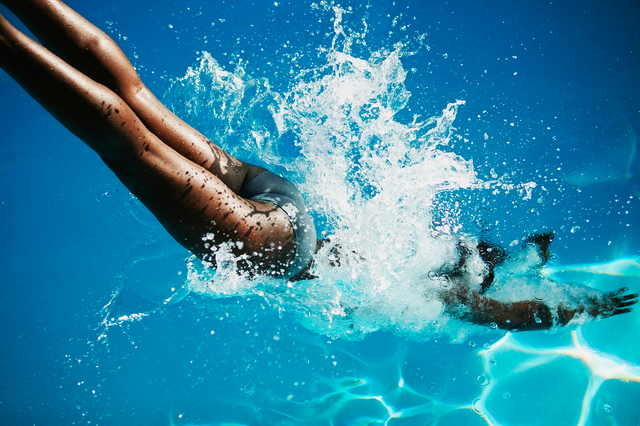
<point>373,183</point>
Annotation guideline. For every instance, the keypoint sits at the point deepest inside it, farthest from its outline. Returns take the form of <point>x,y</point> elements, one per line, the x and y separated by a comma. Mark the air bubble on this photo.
<point>445,363</point>
<point>537,294</point>
<point>483,379</point>
<point>434,389</point>
<point>476,405</point>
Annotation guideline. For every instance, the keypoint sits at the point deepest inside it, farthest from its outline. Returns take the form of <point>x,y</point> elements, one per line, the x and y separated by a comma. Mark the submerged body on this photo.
<point>470,296</point>
<point>204,197</point>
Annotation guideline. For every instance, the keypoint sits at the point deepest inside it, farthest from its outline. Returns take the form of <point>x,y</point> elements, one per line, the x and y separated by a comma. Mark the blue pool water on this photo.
<point>396,119</point>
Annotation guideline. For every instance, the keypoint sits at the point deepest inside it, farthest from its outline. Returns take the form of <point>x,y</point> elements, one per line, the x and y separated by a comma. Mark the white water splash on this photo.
<point>373,183</point>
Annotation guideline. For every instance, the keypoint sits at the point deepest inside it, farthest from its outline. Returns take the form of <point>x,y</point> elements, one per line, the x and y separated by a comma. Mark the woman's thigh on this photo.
<point>201,212</point>
<point>93,53</point>
<point>187,198</point>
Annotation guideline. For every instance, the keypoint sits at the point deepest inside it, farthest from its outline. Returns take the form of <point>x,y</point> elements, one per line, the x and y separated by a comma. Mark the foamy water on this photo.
<point>374,183</point>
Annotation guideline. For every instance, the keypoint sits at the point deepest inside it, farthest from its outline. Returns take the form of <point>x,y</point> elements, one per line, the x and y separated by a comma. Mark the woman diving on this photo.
<point>203,196</point>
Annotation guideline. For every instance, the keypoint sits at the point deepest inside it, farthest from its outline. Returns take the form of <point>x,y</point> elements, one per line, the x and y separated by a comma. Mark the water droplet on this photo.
<point>472,344</point>
<point>575,229</point>
<point>506,395</point>
<point>607,408</point>
<point>538,321</point>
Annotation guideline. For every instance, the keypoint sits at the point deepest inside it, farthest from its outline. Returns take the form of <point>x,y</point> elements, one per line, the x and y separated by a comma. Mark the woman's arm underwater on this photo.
<point>471,306</point>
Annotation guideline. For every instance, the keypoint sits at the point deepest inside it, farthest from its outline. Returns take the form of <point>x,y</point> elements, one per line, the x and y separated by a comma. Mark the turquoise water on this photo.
<point>398,120</point>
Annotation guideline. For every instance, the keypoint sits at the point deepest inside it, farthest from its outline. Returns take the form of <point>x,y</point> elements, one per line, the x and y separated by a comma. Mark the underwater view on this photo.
<point>410,127</point>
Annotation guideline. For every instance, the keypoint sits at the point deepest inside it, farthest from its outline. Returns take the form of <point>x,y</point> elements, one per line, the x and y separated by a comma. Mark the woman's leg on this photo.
<point>188,200</point>
<point>95,54</point>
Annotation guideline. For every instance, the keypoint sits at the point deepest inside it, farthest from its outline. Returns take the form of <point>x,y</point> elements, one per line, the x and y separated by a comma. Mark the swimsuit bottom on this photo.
<point>270,188</point>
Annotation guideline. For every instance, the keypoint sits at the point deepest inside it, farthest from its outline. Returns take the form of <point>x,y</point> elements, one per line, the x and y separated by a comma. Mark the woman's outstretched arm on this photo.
<point>471,306</point>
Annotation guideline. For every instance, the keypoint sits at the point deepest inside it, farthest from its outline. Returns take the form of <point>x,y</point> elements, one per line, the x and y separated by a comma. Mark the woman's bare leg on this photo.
<point>95,54</point>
<point>188,200</point>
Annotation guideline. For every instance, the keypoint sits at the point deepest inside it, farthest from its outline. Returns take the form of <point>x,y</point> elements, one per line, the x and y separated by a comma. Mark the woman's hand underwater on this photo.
<point>605,305</point>
<point>613,303</point>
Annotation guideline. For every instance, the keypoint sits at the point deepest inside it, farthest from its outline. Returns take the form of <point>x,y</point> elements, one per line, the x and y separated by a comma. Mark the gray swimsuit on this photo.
<point>271,188</point>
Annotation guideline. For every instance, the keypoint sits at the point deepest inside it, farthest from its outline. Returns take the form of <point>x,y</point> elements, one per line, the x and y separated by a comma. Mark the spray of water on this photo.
<point>373,183</point>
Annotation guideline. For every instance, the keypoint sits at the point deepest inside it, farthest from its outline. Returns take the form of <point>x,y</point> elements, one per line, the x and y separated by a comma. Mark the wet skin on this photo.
<point>190,184</point>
